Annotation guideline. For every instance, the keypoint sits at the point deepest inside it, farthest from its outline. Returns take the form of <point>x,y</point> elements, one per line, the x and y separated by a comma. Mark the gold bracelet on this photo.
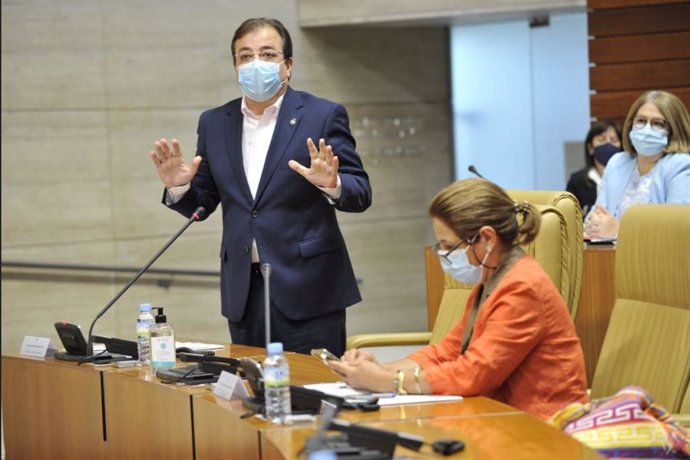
<point>400,382</point>
<point>417,370</point>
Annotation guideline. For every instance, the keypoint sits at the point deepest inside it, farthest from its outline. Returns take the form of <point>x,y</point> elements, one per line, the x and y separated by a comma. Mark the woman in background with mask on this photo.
<point>602,142</point>
<point>515,342</point>
<point>654,168</point>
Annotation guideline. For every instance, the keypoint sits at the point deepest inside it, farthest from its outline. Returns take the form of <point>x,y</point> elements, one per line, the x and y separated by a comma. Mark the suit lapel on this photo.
<point>286,126</point>
<point>233,140</point>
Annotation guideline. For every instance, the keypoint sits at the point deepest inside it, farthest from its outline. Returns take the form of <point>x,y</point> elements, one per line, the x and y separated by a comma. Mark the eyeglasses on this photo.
<point>657,124</point>
<point>245,57</point>
<point>444,253</point>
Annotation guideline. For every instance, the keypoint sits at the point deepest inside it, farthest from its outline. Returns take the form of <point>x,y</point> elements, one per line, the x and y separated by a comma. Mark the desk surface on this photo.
<point>491,436</point>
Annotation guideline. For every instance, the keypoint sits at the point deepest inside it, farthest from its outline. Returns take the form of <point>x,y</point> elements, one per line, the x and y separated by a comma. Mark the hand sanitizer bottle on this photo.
<point>162,342</point>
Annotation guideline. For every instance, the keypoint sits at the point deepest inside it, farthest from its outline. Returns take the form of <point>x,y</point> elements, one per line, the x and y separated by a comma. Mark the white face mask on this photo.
<point>648,141</point>
<point>460,267</point>
<point>259,80</point>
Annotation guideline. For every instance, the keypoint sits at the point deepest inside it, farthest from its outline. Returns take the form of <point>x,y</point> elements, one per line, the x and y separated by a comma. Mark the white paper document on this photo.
<point>199,346</point>
<point>385,399</point>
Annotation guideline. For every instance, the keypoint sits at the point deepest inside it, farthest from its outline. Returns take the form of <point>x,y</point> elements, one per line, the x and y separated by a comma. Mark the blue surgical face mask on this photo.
<point>603,153</point>
<point>259,80</point>
<point>648,141</point>
<point>460,267</point>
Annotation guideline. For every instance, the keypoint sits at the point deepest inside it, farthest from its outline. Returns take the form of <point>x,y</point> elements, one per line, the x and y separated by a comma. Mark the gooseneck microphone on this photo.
<point>199,213</point>
<point>474,171</point>
<point>266,272</point>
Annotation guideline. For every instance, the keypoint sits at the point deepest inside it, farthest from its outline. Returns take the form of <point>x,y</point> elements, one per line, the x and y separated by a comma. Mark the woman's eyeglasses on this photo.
<point>657,124</point>
<point>444,253</point>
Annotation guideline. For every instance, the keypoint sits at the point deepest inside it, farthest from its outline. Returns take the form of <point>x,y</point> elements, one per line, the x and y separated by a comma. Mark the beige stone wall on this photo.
<point>87,86</point>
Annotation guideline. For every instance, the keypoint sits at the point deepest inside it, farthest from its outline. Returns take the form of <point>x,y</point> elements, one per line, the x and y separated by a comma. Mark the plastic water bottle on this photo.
<point>162,342</point>
<point>144,322</point>
<point>276,384</point>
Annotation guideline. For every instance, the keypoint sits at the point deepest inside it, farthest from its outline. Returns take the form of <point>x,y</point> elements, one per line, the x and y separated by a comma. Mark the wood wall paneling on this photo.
<point>627,3</point>
<point>640,75</point>
<point>636,46</point>
<point>648,47</point>
<point>634,19</point>
<point>616,104</point>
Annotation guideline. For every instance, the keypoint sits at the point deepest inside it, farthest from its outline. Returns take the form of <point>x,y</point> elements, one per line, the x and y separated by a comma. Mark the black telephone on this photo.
<point>75,346</point>
<point>304,400</point>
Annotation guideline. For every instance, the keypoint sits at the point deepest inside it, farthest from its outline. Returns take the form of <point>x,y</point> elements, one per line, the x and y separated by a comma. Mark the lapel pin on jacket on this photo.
<point>293,121</point>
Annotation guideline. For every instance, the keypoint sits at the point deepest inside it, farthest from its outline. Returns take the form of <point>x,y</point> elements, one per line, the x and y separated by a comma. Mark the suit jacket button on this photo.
<point>255,213</point>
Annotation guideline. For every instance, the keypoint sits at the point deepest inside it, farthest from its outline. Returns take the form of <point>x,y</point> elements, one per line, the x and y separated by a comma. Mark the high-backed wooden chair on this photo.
<point>550,249</point>
<point>647,342</point>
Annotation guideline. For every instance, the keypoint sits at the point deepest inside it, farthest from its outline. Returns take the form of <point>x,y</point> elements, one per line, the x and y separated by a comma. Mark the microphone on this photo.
<point>202,358</point>
<point>376,438</point>
<point>198,214</point>
<point>474,171</point>
<point>266,272</point>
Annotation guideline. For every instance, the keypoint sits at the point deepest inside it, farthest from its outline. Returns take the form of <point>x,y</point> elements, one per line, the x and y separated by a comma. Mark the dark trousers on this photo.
<point>300,336</point>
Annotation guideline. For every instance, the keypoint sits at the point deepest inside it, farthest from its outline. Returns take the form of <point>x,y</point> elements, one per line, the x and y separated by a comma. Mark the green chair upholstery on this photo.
<point>568,279</point>
<point>647,342</point>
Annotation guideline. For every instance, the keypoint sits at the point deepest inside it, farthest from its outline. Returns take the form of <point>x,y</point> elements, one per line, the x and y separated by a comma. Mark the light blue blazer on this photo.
<point>670,180</point>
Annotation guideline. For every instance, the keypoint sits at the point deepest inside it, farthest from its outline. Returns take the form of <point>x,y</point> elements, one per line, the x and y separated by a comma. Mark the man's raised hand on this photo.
<point>170,165</point>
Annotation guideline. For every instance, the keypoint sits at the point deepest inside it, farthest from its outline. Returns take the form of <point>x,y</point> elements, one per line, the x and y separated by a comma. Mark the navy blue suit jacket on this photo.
<point>295,226</point>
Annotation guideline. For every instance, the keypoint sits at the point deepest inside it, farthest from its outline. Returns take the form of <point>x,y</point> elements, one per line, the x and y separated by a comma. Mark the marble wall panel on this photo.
<point>137,197</point>
<point>161,57</point>
<point>389,260</point>
<point>46,147</point>
<point>32,300</point>
<point>371,65</point>
<point>46,47</point>
<point>54,214</point>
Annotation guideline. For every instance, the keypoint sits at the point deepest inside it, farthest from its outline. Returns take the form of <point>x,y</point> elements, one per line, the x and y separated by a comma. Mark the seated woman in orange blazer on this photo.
<point>516,342</point>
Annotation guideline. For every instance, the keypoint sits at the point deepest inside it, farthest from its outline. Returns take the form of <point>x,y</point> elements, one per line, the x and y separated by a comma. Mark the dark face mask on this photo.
<point>603,153</point>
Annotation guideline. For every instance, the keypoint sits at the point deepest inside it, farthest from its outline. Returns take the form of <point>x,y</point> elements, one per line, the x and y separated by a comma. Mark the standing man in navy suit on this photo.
<point>280,162</point>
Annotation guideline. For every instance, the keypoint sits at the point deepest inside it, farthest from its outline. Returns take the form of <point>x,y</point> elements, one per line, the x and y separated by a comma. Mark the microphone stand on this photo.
<point>198,214</point>
<point>266,272</point>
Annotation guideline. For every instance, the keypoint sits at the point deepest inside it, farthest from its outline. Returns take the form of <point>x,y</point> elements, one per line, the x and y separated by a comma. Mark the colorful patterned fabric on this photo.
<point>627,424</point>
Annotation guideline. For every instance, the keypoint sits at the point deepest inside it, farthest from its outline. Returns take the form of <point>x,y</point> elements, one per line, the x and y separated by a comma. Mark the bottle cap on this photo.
<point>323,454</point>
<point>274,348</point>
<point>145,307</point>
<point>160,317</point>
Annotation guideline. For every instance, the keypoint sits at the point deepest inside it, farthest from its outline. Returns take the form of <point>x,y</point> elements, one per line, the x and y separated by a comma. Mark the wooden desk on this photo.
<point>51,410</point>
<point>491,429</point>
<point>597,297</point>
<point>146,418</point>
<point>59,405</point>
<point>491,436</point>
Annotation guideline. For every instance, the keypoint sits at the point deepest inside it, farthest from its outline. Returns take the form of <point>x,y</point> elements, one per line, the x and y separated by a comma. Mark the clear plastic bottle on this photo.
<point>276,384</point>
<point>162,342</point>
<point>144,322</point>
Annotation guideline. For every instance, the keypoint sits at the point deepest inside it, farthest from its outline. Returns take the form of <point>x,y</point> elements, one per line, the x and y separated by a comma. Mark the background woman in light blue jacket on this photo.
<point>654,168</point>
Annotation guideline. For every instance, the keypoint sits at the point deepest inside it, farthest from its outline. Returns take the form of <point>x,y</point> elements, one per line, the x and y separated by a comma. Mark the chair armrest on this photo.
<point>386,340</point>
<point>682,420</point>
